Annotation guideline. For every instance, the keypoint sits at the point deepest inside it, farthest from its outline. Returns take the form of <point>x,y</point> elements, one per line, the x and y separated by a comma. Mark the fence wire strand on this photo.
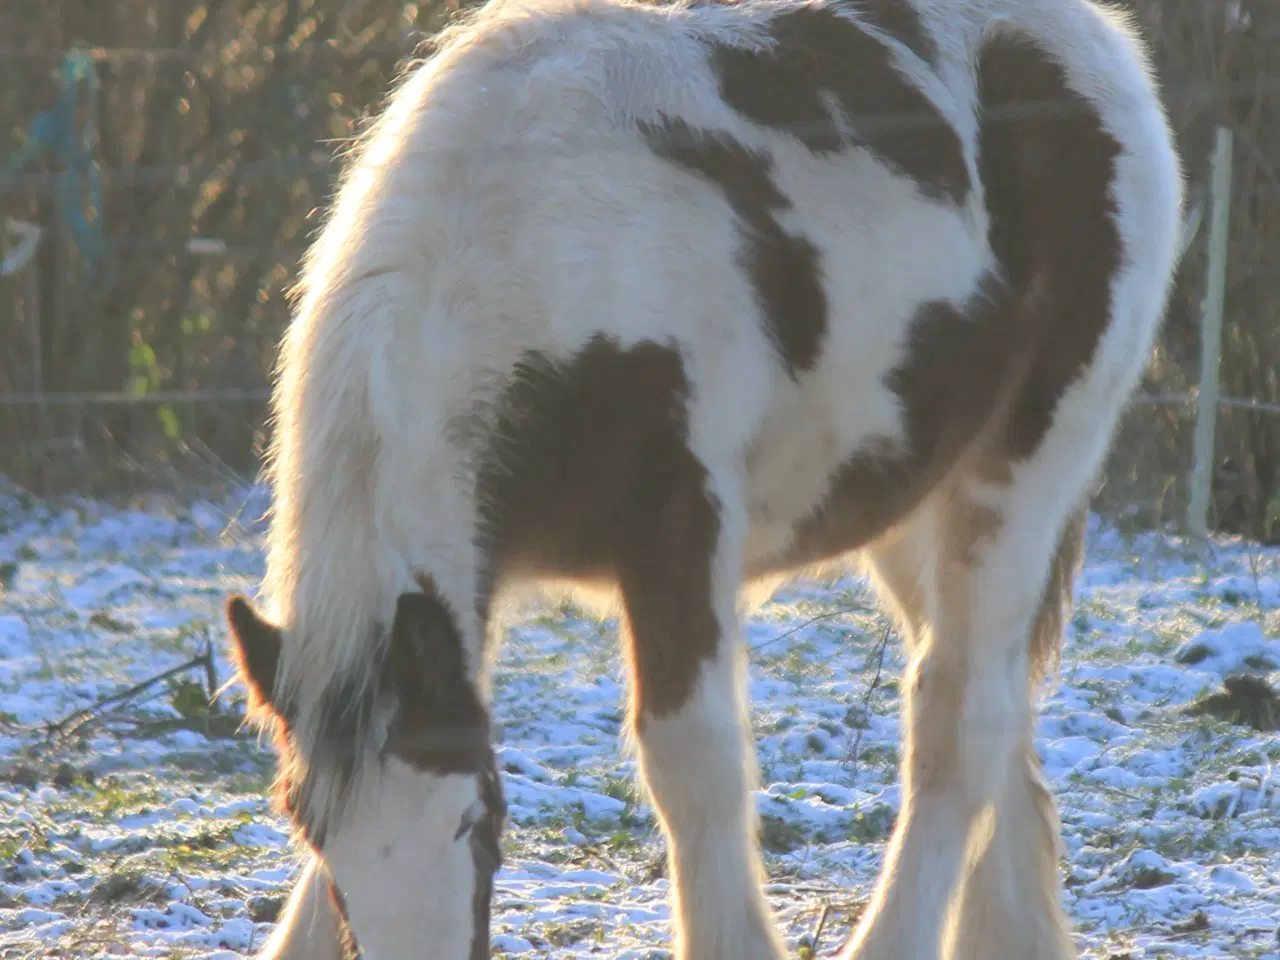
<point>194,174</point>
<point>861,127</point>
<point>87,398</point>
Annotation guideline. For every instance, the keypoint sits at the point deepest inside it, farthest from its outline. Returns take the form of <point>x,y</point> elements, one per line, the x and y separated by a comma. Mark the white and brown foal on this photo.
<point>669,299</point>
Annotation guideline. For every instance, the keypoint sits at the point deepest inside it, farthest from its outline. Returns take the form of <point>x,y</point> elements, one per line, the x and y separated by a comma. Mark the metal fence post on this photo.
<point>1201,481</point>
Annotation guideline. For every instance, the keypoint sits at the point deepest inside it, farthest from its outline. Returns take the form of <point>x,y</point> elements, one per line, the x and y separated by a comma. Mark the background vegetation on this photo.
<point>227,128</point>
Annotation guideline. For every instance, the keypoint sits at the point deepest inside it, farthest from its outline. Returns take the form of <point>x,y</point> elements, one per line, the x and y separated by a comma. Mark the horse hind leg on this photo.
<point>967,716</point>
<point>1011,901</point>
<point>1086,227</point>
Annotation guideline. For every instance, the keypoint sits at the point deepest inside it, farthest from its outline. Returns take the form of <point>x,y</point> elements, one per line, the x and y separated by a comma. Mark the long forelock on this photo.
<point>331,741</point>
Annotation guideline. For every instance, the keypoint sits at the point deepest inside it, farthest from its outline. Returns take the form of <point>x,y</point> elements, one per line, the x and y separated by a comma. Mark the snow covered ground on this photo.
<point>146,832</point>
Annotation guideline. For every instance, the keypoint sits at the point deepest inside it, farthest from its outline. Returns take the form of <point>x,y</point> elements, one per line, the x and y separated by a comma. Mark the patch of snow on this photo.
<point>1171,823</point>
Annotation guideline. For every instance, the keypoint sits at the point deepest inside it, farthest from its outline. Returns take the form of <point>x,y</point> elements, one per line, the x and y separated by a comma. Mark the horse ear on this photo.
<point>255,651</point>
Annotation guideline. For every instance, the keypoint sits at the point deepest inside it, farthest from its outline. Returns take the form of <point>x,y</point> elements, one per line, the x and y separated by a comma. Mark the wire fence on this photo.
<point>120,398</point>
<point>866,126</point>
<point>184,174</point>
<point>236,170</point>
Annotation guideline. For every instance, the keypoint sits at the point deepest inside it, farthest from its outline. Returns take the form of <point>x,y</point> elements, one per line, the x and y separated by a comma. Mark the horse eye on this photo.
<point>470,817</point>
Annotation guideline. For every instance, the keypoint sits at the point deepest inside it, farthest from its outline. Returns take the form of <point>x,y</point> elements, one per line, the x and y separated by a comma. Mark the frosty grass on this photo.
<point>148,833</point>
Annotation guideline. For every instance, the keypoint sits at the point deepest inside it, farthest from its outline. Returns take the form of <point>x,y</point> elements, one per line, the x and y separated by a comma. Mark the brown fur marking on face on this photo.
<point>255,653</point>
<point>438,723</point>
<point>441,725</point>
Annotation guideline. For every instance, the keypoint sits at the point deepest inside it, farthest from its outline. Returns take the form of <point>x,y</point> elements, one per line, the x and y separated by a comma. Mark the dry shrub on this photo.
<point>1220,64</point>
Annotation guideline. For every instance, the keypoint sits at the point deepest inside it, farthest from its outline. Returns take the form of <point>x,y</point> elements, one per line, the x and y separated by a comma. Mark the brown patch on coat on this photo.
<point>964,366</point>
<point>1002,362</point>
<point>901,20</point>
<point>784,269</point>
<point>821,55</point>
<point>822,64</point>
<point>1053,222</point>
<point>666,581</point>
<point>589,477</point>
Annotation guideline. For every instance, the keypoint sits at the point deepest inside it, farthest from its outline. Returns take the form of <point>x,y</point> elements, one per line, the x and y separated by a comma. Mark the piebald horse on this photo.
<point>665,300</point>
